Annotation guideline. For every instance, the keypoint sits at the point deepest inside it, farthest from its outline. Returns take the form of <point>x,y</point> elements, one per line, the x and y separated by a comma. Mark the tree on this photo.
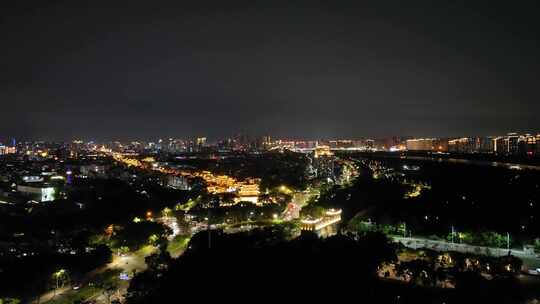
<point>158,261</point>
<point>505,265</point>
<point>60,278</point>
<point>419,272</point>
<point>107,281</point>
<point>441,275</point>
<point>100,256</point>
<point>489,239</point>
<point>256,259</point>
<point>537,245</point>
<point>142,286</point>
<point>166,212</point>
<point>470,281</point>
<point>108,290</point>
<point>9,301</point>
<point>136,235</point>
<point>313,211</point>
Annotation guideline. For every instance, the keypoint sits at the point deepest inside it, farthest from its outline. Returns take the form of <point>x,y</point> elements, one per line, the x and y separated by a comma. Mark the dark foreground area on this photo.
<point>261,266</point>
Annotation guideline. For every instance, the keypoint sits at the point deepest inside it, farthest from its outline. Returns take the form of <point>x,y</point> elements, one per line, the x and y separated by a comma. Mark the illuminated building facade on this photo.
<point>201,143</point>
<point>471,145</point>
<point>484,144</point>
<point>248,191</point>
<point>427,144</point>
<point>178,182</point>
<point>528,145</point>
<point>537,150</point>
<point>499,145</point>
<point>514,144</point>
<point>322,151</point>
<point>39,193</point>
<point>4,150</point>
<point>462,145</point>
<point>93,170</point>
<point>323,226</point>
<point>322,165</point>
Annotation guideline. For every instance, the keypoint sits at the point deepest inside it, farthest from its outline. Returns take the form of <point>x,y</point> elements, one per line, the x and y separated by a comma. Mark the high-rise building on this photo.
<point>484,144</point>
<point>201,141</point>
<point>370,144</point>
<point>537,149</point>
<point>512,143</point>
<point>266,142</point>
<point>427,144</point>
<point>499,145</point>
<point>4,150</point>
<point>462,145</point>
<point>419,144</point>
<point>527,145</point>
<point>471,145</point>
<point>160,144</point>
<point>191,145</point>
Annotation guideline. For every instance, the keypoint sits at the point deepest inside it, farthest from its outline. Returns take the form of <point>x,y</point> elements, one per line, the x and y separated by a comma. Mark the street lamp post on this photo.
<point>213,201</point>
<point>57,276</point>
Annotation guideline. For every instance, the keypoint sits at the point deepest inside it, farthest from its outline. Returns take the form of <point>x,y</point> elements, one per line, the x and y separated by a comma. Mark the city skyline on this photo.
<point>379,151</point>
<point>511,144</point>
<point>10,140</point>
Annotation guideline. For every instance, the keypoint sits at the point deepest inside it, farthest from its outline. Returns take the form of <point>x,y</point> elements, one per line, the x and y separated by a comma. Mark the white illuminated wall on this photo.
<point>47,194</point>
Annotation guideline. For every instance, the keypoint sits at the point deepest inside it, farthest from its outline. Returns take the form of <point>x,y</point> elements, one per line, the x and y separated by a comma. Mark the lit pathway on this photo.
<point>128,264</point>
<point>416,243</point>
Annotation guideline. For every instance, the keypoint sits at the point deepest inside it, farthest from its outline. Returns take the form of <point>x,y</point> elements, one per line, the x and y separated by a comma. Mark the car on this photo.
<point>534,271</point>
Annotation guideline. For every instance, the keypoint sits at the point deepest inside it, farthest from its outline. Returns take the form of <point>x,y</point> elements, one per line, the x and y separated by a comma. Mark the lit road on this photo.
<point>52,294</point>
<point>128,264</point>
<point>299,200</point>
<point>514,166</point>
<point>415,243</point>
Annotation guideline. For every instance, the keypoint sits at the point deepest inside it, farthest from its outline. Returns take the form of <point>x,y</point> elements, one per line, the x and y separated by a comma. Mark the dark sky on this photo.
<point>145,69</point>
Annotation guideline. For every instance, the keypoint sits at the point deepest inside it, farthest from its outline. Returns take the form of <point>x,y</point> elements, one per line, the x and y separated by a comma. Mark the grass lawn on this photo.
<point>531,263</point>
<point>145,251</point>
<point>86,292</point>
<point>178,245</point>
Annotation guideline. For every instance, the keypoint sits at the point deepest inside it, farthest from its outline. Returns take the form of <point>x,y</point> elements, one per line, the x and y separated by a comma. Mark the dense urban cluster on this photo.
<point>89,222</point>
<point>509,144</point>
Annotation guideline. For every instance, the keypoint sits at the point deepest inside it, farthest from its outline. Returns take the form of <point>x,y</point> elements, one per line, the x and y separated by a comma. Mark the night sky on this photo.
<point>147,69</point>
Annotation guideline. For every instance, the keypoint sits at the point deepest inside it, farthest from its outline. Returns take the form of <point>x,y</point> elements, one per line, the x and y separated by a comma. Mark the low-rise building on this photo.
<point>322,226</point>
<point>38,192</point>
<point>178,182</point>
